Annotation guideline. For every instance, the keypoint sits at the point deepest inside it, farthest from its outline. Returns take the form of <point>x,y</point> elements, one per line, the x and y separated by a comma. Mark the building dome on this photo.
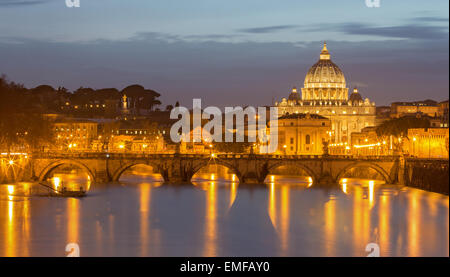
<point>355,96</point>
<point>294,96</point>
<point>325,72</point>
<point>325,80</point>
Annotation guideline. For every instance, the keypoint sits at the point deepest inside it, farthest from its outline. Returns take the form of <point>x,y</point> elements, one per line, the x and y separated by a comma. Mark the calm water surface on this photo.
<point>142,217</point>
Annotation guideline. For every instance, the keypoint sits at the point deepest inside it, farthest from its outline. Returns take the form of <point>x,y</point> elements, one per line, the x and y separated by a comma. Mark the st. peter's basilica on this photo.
<point>325,93</point>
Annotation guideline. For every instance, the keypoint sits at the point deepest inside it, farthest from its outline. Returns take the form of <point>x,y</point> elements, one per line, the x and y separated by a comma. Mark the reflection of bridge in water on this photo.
<point>176,168</point>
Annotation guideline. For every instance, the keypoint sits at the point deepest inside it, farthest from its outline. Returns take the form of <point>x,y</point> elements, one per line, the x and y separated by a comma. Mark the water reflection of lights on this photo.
<point>310,182</point>
<point>10,189</point>
<point>399,222</point>
<point>371,188</point>
<point>56,182</point>
<point>73,219</point>
<point>344,187</point>
<point>330,225</point>
<point>289,180</point>
<point>272,206</point>
<point>210,248</point>
<point>284,224</point>
<point>233,193</point>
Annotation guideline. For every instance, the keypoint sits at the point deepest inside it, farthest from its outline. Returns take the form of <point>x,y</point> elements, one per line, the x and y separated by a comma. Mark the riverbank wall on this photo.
<point>427,174</point>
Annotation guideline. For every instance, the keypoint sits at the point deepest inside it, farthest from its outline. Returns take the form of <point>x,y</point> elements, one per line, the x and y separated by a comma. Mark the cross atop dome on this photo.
<point>324,55</point>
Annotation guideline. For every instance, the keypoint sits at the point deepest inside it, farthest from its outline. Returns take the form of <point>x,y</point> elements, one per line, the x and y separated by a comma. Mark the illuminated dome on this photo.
<point>325,80</point>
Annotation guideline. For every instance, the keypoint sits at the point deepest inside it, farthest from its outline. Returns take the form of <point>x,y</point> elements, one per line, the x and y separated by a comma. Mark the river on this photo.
<point>140,216</point>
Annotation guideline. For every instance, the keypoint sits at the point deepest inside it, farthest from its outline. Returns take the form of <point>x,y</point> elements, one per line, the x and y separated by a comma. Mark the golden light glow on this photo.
<point>330,231</point>
<point>56,182</point>
<point>310,182</point>
<point>11,162</point>
<point>210,247</point>
<point>284,224</point>
<point>366,145</point>
<point>272,206</point>
<point>371,188</point>
<point>233,193</point>
<point>144,209</point>
<point>10,189</point>
<point>73,218</point>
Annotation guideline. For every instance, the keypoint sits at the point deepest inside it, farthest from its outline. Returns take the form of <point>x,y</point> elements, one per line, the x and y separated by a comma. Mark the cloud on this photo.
<point>430,19</point>
<point>267,29</point>
<point>403,31</point>
<point>221,72</point>
<point>13,3</point>
<point>210,36</point>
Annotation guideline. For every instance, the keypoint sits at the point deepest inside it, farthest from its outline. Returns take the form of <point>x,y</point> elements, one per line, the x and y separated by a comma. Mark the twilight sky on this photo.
<point>227,52</point>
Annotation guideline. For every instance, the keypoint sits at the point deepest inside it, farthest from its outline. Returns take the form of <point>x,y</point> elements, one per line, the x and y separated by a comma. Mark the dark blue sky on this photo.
<point>227,52</point>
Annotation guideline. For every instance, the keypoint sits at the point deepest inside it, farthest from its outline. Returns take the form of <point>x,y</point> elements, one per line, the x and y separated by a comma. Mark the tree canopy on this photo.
<point>398,127</point>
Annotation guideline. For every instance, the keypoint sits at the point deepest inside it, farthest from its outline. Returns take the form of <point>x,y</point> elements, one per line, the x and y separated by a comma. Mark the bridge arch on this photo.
<point>116,175</point>
<point>293,164</point>
<point>373,166</point>
<point>46,171</point>
<point>231,167</point>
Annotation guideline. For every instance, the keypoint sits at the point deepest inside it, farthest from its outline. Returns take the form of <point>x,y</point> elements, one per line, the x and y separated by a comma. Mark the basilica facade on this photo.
<point>325,93</point>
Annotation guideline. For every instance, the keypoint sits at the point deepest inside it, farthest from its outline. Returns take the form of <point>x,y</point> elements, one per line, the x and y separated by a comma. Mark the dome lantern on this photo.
<point>324,55</point>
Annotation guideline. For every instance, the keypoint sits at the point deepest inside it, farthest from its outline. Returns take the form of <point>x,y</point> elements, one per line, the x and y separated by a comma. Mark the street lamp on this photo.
<point>210,149</point>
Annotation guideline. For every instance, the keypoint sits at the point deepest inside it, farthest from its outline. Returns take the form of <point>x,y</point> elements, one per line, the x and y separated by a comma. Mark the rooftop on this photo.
<point>302,116</point>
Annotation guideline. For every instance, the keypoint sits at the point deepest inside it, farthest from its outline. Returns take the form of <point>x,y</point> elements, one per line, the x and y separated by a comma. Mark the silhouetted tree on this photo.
<point>142,98</point>
<point>398,127</point>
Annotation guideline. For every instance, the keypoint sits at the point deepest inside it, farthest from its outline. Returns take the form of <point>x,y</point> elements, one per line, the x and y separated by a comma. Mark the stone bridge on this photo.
<point>174,168</point>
